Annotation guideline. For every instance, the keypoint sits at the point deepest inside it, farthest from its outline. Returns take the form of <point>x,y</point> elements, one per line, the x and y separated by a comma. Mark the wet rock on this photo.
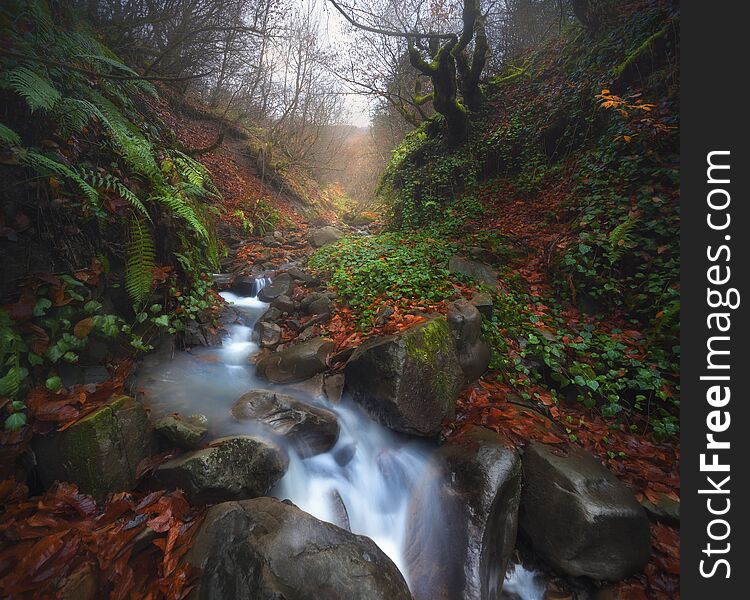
<point>101,452</point>
<point>299,275</point>
<point>278,236</point>
<point>333,387</point>
<point>409,382</point>
<point>344,455</point>
<point>198,420</point>
<point>312,387</point>
<point>463,554</point>
<point>324,235</point>
<point>579,517</point>
<point>483,302</point>
<point>296,363</point>
<point>222,281</point>
<point>265,549</point>
<point>478,270</point>
<point>340,514</point>
<point>198,334</point>
<point>310,429</point>
<point>267,334</point>
<point>281,285</point>
<point>231,468</point>
<point>245,286</point>
<point>271,315</point>
<point>179,432</point>
<point>474,354</point>
<point>284,304</point>
<point>321,306</point>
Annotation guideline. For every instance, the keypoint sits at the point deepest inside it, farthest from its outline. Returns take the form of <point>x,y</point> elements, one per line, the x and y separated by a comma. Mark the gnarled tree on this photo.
<point>446,60</point>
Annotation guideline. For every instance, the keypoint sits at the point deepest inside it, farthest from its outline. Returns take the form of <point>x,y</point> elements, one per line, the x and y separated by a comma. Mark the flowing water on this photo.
<point>364,481</point>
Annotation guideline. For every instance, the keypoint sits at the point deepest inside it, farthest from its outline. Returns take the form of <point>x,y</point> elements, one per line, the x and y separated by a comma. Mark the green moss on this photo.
<point>640,51</point>
<point>427,346</point>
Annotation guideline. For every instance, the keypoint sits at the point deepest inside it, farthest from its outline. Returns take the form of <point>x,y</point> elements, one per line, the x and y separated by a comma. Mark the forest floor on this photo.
<point>63,535</point>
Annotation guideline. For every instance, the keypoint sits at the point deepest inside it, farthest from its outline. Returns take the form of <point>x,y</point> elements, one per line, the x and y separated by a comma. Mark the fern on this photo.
<point>180,207</point>
<point>139,269</point>
<point>620,239</point>
<point>190,169</point>
<point>110,182</point>
<point>37,91</point>
<point>8,136</point>
<point>48,166</point>
<point>72,115</point>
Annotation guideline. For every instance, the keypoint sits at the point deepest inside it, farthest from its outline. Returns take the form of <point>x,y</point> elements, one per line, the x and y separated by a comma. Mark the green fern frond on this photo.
<point>180,207</point>
<point>139,269</point>
<point>108,182</point>
<point>190,169</point>
<point>108,60</point>
<point>37,91</point>
<point>72,115</point>
<point>620,239</point>
<point>48,166</point>
<point>8,136</point>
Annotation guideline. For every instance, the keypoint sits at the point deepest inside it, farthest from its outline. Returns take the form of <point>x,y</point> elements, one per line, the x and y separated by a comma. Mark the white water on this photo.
<point>370,471</point>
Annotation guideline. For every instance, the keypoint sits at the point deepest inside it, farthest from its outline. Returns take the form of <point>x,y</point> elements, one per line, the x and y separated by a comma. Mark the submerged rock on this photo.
<point>231,468</point>
<point>461,552</point>
<point>296,363</point>
<point>409,382</point>
<point>180,432</point>
<point>101,452</point>
<point>324,235</point>
<point>579,517</point>
<point>265,549</point>
<point>310,429</point>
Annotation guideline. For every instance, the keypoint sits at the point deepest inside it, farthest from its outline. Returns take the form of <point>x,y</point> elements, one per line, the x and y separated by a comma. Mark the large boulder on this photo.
<point>409,382</point>
<point>474,354</point>
<point>230,468</point>
<point>296,363</point>
<point>579,517</point>
<point>324,235</point>
<point>473,268</point>
<point>265,549</point>
<point>310,429</point>
<point>281,285</point>
<point>461,552</point>
<point>101,452</point>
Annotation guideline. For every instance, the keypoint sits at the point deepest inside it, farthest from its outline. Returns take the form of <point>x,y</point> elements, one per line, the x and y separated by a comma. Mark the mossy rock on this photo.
<point>409,382</point>
<point>101,452</point>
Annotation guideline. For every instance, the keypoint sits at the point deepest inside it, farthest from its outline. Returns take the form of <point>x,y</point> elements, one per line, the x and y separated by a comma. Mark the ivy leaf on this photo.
<point>15,421</point>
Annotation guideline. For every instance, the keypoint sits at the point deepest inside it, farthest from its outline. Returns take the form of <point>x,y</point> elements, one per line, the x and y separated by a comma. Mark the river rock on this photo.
<point>180,432</point>
<point>474,354</point>
<point>463,553</point>
<point>281,285</point>
<point>310,429</point>
<point>579,517</point>
<point>473,268</point>
<point>230,468</point>
<point>267,334</point>
<point>324,235</point>
<point>283,304</point>
<point>333,387</point>
<point>321,306</point>
<point>101,452</point>
<point>410,381</point>
<point>265,549</point>
<point>296,363</point>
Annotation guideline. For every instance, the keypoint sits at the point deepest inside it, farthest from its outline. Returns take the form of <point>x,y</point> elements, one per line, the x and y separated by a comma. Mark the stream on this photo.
<point>364,481</point>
